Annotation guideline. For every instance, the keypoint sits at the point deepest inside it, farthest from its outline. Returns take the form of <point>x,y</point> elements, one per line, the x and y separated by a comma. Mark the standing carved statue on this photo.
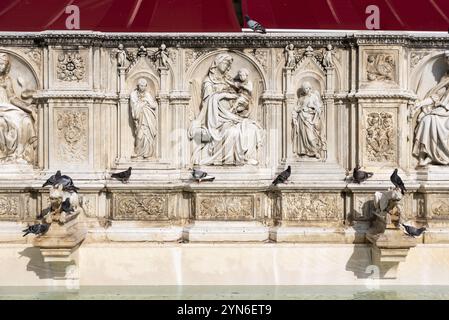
<point>431,143</point>
<point>162,56</point>
<point>328,56</point>
<point>306,121</point>
<point>121,55</point>
<point>289,53</point>
<point>227,137</point>
<point>143,111</point>
<point>18,137</point>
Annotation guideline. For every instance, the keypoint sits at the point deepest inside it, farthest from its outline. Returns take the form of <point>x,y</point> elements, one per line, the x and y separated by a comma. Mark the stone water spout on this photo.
<point>390,245</point>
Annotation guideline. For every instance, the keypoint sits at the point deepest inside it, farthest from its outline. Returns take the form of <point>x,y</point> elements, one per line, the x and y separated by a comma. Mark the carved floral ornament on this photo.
<point>380,137</point>
<point>311,206</point>
<point>141,207</point>
<point>226,207</point>
<point>9,206</point>
<point>72,131</point>
<point>70,67</point>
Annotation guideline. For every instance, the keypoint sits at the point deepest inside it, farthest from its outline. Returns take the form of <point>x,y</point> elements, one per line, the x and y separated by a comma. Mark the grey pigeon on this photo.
<point>283,176</point>
<point>360,176</point>
<point>59,179</point>
<point>199,176</point>
<point>38,229</point>
<point>412,231</point>
<point>66,206</point>
<point>254,25</point>
<point>397,181</point>
<point>122,176</point>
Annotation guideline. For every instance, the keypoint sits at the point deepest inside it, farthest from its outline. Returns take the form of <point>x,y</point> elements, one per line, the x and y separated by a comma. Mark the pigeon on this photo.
<point>38,229</point>
<point>199,176</point>
<point>397,181</point>
<point>66,206</point>
<point>59,179</point>
<point>283,176</point>
<point>254,25</point>
<point>412,231</point>
<point>360,176</point>
<point>122,176</point>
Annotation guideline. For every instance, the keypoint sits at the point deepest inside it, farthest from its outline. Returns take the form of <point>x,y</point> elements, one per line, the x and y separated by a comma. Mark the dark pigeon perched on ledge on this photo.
<point>59,179</point>
<point>37,229</point>
<point>122,176</point>
<point>283,176</point>
<point>360,176</point>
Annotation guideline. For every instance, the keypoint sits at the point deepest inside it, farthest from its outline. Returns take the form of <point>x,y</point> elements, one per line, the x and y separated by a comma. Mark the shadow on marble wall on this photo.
<point>43,270</point>
<point>359,262</point>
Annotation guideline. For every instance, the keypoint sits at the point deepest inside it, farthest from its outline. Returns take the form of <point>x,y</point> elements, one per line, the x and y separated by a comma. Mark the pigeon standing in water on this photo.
<point>65,181</point>
<point>397,181</point>
<point>360,176</point>
<point>254,25</point>
<point>199,176</point>
<point>412,231</point>
<point>122,176</point>
<point>283,176</point>
<point>37,229</point>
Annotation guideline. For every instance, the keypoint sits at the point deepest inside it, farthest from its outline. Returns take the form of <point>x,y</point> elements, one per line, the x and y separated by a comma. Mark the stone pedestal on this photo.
<point>388,250</point>
<point>59,244</point>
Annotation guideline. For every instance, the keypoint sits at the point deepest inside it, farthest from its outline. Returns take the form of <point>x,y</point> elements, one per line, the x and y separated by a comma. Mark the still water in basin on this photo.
<point>227,292</point>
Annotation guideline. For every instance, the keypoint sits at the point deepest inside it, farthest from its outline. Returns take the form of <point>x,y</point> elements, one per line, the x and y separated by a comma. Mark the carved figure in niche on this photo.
<point>226,136</point>
<point>306,121</point>
<point>143,111</point>
<point>289,53</point>
<point>18,137</point>
<point>121,56</point>
<point>162,56</point>
<point>431,143</point>
<point>244,88</point>
<point>380,67</point>
<point>328,56</point>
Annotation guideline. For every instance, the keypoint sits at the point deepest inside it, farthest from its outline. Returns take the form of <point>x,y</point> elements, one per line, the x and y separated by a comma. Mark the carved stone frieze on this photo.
<point>9,207</point>
<point>140,206</point>
<point>225,207</point>
<point>305,206</point>
<point>380,136</point>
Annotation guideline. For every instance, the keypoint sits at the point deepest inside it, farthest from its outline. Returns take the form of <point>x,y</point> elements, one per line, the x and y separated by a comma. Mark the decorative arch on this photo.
<point>24,64</point>
<point>143,72</point>
<point>427,73</point>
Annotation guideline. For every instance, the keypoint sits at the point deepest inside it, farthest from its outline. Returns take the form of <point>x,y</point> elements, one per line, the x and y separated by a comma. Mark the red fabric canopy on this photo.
<point>220,16</point>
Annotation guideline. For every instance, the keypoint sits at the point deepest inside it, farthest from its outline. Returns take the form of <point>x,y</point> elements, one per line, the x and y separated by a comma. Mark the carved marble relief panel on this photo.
<point>380,68</point>
<point>71,128</point>
<point>226,128</point>
<point>140,206</point>
<point>16,206</point>
<point>225,207</point>
<point>379,133</point>
<point>70,69</point>
<point>307,206</point>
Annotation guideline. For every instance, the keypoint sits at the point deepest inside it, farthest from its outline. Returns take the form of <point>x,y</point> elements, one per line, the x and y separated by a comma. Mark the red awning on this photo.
<point>220,16</point>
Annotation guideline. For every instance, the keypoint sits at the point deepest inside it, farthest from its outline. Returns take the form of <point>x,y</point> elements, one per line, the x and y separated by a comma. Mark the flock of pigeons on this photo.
<point>58,179</point>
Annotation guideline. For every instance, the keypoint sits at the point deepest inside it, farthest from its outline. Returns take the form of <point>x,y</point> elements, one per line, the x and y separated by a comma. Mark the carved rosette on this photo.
<point>9,207</point>
<point>141,207</point>
<point>70,67</point>
<point>380,135</point>
<point>225,207</point>
<point>306,206</point>
<point>72,134</point>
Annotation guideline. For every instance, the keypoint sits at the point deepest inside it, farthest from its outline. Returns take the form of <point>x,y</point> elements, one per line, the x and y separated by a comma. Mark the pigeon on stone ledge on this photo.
<point>412,231</point>
<point>122,176</point>
<point>359,176</point>
<point>283,176</point>
<point>199,176</point>
<point>397,181</point>
<point>37,229</point>
<point>254,25</point>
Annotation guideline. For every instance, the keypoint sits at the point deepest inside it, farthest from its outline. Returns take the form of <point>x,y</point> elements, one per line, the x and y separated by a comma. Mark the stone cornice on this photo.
<point>220,40</point>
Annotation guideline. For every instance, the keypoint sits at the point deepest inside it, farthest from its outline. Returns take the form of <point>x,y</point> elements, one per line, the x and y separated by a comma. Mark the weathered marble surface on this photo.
<point>226,103</point>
